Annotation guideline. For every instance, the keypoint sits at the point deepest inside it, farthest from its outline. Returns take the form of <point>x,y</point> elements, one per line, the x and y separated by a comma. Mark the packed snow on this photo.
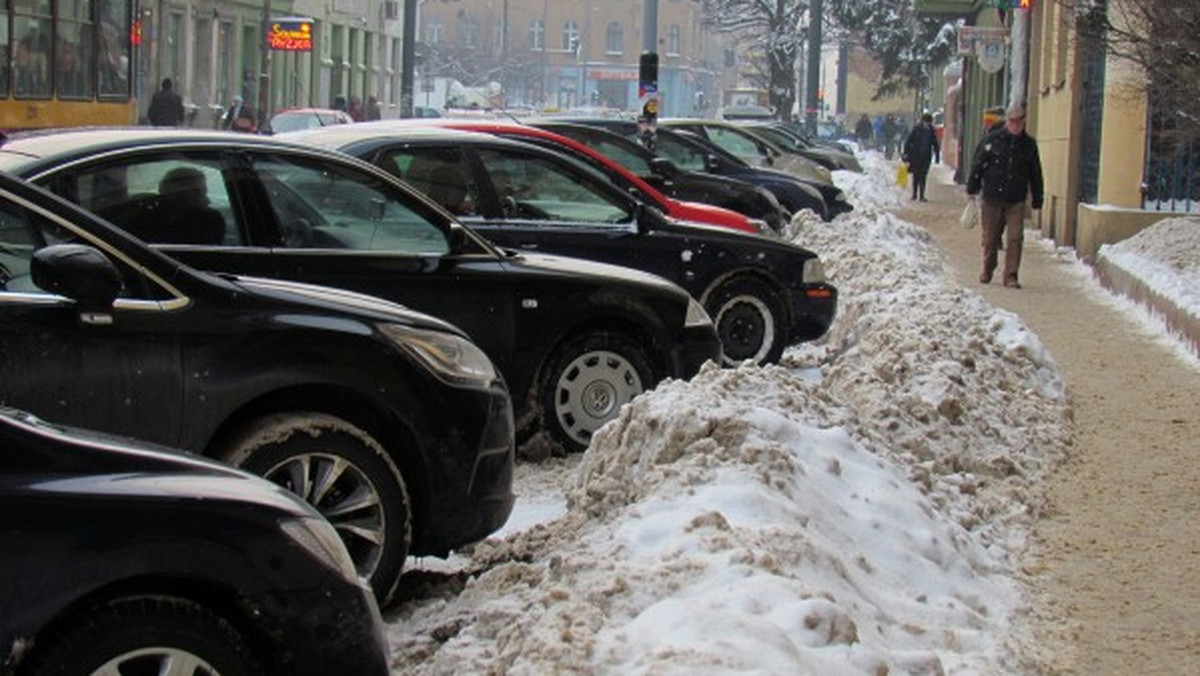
<point>857,509</point>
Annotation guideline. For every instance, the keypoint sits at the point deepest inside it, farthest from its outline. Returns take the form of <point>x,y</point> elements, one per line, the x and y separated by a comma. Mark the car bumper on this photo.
<point>471,479</point>
<point>813,309</point>
<point>699,344</point>
<point>334,629</point>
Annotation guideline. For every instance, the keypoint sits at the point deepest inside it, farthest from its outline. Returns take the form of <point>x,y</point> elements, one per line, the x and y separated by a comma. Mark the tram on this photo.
<point>66,63</point>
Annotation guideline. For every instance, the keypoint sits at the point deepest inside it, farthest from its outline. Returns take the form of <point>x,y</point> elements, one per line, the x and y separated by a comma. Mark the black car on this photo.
<point>574,339</point>
<point>689,152</point>
<point>391,423</point>
<point>792,140</point>
<point>122,558</point>
<point>763,293</point>
<point>753,149</point>
<point>693,186</point>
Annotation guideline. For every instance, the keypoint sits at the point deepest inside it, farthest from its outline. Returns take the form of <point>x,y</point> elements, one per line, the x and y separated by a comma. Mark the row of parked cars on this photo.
<point>368,317</point>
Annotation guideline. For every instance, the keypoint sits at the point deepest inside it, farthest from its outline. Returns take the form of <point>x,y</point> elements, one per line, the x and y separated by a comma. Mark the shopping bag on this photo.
<point>902,175</point>
<point>970,214</point>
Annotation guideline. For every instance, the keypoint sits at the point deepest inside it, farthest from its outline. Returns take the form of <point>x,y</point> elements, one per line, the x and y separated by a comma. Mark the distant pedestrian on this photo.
<point>920,150</point>
<point>240,117</point>
<point>877,131</point>
<point>339,103</point>
<point>166,107</point>
<point>355,109</point>
<point>889,136</point>
<point>1007,170</point>
<point>862,131</point>
<point>372,111</point>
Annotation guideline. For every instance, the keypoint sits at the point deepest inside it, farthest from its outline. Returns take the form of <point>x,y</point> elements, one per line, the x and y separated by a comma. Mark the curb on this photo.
<point>1122,283</point>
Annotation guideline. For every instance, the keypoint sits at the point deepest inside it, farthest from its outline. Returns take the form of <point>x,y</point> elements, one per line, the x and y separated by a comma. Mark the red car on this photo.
<point>695,212</point>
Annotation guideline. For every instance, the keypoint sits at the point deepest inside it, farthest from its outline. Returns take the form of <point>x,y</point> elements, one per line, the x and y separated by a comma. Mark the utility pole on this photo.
<point>812,87</point>
<point>264,77</point>
<point>648,75</point>
<point>408,58</point>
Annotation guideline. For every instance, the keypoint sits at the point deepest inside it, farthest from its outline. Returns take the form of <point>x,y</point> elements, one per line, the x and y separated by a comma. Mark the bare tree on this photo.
<point>771,28</point>
<point>905,45</point>
<point>1162,39</point>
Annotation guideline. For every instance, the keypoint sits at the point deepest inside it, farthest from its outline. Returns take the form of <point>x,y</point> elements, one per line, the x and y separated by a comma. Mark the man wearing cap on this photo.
<point>1007,170</point>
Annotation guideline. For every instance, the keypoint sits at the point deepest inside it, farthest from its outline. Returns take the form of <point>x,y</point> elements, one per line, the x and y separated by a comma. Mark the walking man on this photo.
<point>1007,170</point>
<point>166,107</point>
<point>920,150</point>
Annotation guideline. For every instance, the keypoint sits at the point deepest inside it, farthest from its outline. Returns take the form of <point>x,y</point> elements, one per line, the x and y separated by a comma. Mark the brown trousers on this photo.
<point>994,219</point>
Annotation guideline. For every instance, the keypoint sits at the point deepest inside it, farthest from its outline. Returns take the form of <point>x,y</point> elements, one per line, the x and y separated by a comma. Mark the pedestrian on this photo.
<point>1006,171</point>
<point>862,131</point>
<point>889,136</point>
<point>339,103</point>
<point>920,150</point>
<point>355,109</point>
<point>166,107</point>
<point>240,117</point>
<point>372,111</point>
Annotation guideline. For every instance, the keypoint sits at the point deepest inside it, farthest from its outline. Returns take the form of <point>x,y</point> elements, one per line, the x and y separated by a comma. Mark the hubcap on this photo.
<point>591,390</point>
<point>344,495</point>
<point>156,662</point>
<point>746,328</point>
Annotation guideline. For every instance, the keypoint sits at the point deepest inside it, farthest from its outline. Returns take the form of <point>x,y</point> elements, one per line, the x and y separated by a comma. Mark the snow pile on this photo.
<point>1164,256</point>
<point>851,511</point>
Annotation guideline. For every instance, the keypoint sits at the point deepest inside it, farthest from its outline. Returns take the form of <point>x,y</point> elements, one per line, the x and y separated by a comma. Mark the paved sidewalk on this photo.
<point>1116,562</point>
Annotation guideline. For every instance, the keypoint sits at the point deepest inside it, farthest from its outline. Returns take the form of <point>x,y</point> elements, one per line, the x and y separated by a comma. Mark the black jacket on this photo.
<point>921,147</point>
<point>1006,169</point>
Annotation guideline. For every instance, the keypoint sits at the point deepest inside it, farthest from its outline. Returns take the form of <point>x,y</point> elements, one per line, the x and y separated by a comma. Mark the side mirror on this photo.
<point>664,167</point>
<point>458,239</point>
<point>78,272</point>
<point>711,163</point>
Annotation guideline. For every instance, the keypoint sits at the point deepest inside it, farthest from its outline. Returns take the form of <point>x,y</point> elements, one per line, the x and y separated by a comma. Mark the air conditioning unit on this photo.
<point>391,9</point>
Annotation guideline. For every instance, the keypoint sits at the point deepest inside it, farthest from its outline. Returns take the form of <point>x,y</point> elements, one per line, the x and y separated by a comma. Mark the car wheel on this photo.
<point>749,320</point>
<point>347,476</point>
<point>588,381</point>
<point>147,635</point>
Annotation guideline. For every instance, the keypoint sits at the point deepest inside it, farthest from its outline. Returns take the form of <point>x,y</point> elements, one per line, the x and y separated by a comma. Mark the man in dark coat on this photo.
<point>920,150</point>
<point>1007,170</point>
<point>863,131</point>
<point>166,107</point>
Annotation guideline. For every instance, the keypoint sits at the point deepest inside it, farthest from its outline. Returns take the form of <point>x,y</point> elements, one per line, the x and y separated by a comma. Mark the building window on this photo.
<point>673,40</point>
<point>537,34</point>
<point>570,36</point>
<point>433,32</point>
<point>469,30</point>
<point>615,39</point>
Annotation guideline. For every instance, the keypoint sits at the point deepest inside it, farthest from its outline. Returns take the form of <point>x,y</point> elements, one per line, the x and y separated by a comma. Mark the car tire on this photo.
<point>145,635</point>
<point>589,378</point>
<point>347,476</point>
<point>749,319</point>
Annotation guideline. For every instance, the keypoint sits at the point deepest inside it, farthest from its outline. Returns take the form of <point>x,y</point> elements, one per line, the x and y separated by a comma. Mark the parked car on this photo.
<point>123,558</point>
<point>752,201</point>
<point>305,118</point>
<point>618,174</point>
<point>787,137</point>
<point>573,339</point>
<point>734,138</point>
<point>691,153</point>
<point>763,293</point>
<point>390,422</point>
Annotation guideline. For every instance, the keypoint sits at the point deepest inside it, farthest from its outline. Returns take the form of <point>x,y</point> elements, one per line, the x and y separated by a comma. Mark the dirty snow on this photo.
<point>855,510</point>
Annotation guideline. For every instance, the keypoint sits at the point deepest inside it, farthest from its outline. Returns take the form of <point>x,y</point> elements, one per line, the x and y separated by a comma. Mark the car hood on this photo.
<point>342,300</point>
<point>708,213</point>
<point>567,266</point>
<point>71,459</point>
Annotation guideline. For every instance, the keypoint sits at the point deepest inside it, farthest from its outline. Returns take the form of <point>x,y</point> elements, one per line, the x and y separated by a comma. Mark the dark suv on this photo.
<point>574,339</point>
<point>391,423</point>
<point>125,558</point>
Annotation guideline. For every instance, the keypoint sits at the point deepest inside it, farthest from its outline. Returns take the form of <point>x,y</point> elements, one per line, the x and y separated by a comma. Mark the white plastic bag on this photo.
<point>970,214</point>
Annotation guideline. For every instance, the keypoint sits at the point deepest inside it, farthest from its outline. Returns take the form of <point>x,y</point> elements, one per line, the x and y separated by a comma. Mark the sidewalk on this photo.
<point>1115,566</point>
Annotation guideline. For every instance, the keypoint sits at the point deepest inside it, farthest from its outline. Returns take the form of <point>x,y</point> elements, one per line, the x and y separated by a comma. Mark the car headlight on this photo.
<point>814,271</point>
<point>453,359</point>
<point>696,315</point>
<point>319,539</point>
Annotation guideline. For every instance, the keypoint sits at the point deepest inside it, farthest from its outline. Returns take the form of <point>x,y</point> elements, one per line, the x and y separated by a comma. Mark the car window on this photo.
<point>439,173</point>
<point>733,142</point>
<point>684,156</point>
<point>532,187</point>
<point>320,205</point>
<point>163,199</point>
<point>22,232</point>
<point>621,155</point>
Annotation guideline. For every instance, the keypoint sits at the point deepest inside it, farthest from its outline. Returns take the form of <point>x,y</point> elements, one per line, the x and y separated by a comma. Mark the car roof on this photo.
<point>340,135</point>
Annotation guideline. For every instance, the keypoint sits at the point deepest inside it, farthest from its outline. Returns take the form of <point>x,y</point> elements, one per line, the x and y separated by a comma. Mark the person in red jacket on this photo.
<point>1007,171</point>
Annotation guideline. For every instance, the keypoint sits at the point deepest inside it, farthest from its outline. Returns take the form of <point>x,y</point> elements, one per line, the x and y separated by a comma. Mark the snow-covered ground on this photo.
<point>855,510</point>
